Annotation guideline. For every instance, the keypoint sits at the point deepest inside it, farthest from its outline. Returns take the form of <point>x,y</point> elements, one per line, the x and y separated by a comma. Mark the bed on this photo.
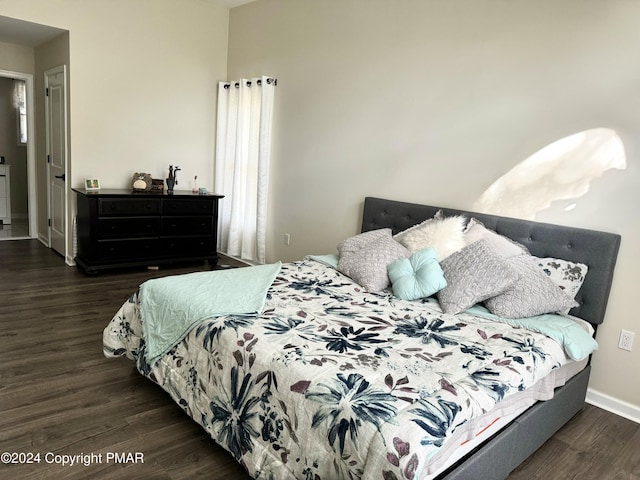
<point>320,377</point>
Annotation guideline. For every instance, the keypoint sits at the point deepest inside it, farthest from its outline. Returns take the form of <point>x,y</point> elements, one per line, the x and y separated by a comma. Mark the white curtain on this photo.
<point>243,151</point>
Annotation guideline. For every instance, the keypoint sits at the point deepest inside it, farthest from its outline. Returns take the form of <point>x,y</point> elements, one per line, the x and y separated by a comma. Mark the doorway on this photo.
<point>17,146</point>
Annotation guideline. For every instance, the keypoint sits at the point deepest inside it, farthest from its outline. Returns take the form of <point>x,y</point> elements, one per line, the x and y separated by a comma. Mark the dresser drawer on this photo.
<point>178,246</point>
<point>119,229</point>
<point>187,226</point>
<point>188,206</point>
<point>128,206</point>
<point>128,249</point>
<point>122,227</point>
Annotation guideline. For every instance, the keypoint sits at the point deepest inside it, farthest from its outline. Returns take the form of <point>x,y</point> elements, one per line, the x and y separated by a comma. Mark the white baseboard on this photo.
<point>44,240</point>
<point>613,405</point>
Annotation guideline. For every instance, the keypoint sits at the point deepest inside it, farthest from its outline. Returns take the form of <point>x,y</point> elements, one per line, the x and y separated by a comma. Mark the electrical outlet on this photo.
<point>626,340</point>
<point>287,239</point>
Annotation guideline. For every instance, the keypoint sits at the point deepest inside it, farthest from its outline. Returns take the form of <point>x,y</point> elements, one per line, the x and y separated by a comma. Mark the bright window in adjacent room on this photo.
<point>20,103</point>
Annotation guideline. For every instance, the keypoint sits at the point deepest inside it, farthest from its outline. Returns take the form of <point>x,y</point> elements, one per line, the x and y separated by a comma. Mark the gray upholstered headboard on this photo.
<point>598,250</point>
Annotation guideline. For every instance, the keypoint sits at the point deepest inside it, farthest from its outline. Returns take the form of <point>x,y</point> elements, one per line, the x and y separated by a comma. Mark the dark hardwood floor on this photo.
<point>60,396</point>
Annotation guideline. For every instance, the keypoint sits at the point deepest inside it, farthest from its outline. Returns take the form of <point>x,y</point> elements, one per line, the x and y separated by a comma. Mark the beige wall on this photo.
<point>143,82</point>
<point>431,101</point>
<point>16,58</point>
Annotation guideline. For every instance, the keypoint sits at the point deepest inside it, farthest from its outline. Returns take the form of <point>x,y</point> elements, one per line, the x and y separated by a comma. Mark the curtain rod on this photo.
<point>259,82</point>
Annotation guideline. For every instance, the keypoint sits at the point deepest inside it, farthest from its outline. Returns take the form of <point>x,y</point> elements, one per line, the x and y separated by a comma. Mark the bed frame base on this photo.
<point>500,455</point>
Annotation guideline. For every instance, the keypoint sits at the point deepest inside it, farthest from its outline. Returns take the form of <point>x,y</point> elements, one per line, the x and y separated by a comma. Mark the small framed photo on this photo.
<point>91,184</point>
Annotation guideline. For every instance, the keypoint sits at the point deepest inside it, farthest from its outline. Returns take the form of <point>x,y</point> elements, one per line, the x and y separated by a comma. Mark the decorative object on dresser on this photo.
<point>157,185</point>
<point>172,179</point>
<point>141,182</point>
<point>5,194</point>
<point>118,228</point>
<point>91,184</point>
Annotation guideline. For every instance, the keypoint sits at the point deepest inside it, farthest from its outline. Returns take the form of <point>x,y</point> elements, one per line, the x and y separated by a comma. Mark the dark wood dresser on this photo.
<point>118,228</point>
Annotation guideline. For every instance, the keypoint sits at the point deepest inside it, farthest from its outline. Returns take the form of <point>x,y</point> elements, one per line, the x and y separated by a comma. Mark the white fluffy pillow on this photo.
<point>399,236</point>
<point>444,235</point>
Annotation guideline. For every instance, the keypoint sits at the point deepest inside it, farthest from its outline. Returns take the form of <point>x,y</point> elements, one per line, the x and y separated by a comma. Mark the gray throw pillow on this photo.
<point>355,243</point>
<point>367,265</point>
<point>473,274</point>
<point>534,293</point>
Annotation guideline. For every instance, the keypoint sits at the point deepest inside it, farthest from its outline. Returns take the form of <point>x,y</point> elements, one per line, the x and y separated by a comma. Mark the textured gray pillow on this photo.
<point>355,243</point>
<point>534,293</point>
<point>473,274</point>
<point>368,265</point>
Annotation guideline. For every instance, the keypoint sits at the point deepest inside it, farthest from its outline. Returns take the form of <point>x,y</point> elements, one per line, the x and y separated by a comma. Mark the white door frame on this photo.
<point>54,71</point>
<point>31,149</point>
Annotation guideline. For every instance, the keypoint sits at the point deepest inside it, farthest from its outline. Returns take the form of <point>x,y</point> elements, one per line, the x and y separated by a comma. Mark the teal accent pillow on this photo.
<point>419,276</point>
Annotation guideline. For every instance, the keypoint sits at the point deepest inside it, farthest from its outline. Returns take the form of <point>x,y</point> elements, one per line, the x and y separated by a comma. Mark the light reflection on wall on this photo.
<point>562,170</point>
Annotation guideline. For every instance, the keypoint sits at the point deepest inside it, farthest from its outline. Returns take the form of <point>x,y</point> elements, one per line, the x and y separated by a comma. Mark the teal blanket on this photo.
<point>576,341</point>
<point>171,306</point>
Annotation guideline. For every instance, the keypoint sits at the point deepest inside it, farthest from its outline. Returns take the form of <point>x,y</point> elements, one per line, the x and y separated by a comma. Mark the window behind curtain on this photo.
<point>20,103</point>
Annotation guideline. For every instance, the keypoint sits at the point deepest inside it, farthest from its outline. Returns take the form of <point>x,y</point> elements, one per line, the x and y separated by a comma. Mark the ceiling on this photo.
<point>29,34</point>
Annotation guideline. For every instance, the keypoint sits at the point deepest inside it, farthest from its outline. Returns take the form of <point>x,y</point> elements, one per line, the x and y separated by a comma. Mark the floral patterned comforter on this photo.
<point>333,382</point>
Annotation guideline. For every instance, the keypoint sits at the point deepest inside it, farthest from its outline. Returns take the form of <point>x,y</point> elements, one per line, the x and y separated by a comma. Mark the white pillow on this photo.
<point>569,276</point>
<point>502,245</point>
<point>399,236</point>
<point>444,235</point>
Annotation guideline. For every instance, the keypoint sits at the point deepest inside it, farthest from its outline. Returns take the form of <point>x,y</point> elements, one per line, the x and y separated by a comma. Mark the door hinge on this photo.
<point>48,158</point>
<point>49,222</point>
<point>46,91</point>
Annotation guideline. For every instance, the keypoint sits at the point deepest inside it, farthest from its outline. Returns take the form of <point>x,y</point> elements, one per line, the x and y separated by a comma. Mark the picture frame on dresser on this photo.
<point>116,228</point>
<point>91,184</point>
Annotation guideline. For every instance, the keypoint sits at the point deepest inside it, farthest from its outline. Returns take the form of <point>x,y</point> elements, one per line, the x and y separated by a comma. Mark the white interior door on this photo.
<point>56,125</point>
